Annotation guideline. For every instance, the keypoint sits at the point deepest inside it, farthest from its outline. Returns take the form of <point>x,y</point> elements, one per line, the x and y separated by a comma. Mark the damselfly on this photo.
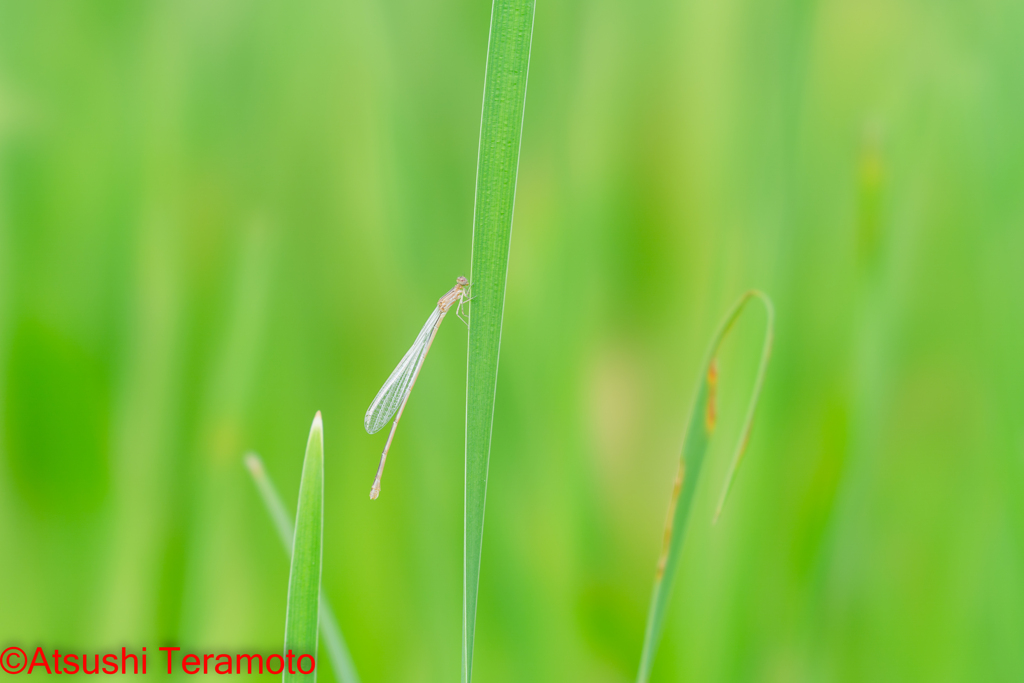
<point>395,392</point>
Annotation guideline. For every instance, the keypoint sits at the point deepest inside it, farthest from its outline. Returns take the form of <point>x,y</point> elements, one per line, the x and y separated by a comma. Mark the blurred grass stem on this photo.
<point>699,428</point>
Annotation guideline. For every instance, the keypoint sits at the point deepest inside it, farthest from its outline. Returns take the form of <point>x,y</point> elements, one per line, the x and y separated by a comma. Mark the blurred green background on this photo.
<point>217,217</point>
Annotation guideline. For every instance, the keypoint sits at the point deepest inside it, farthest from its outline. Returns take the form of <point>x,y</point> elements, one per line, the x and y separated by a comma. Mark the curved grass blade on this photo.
<point>700,426</point>
<point>337,650</point>
<point>501,126</point>
<point>284,525</point>
<point>302,616</point>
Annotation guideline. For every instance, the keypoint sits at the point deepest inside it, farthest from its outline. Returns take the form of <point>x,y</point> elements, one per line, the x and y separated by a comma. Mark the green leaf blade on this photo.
<point>700,427</point>
<point>501,123</point>
<point>302,617</point>
<point>341,659</point>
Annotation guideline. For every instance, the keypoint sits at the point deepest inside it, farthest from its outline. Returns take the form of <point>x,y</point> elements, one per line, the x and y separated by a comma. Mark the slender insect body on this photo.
<point>445,302</point>
<point>392,397</point>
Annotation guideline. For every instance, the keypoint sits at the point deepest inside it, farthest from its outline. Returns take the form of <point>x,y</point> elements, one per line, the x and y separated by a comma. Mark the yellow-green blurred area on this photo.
<point>217,217</point>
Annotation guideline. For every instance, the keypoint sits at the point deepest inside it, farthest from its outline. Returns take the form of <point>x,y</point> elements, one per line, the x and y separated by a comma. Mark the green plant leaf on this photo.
<point>337,650</point>
<point>699,429</point>
<point>501,126</point>
<point>302,617</point>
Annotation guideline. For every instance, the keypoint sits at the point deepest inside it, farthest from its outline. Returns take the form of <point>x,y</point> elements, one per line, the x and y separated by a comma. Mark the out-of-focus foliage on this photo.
<point>700,430</point>
<point>217,217</point>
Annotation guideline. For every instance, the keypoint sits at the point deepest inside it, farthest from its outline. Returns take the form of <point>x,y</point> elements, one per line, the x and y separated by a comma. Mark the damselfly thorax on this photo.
<point>454,294</point>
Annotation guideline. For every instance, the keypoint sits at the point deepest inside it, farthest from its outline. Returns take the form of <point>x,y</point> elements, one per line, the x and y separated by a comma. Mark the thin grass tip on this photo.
<point>254,464</point>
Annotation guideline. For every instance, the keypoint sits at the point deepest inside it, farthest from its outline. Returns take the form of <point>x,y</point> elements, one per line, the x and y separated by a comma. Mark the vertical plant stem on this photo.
<point>501,125</point>
<point>302,617</point>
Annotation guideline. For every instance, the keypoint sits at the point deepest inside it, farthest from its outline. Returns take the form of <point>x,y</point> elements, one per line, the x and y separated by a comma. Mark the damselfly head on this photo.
<point>462,280</point>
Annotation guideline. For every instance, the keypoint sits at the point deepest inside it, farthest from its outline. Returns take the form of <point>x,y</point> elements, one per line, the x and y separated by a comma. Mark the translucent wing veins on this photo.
<point>390,396</point>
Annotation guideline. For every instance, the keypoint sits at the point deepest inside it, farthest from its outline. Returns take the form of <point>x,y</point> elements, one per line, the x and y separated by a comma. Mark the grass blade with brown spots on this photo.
<point>699,429</point>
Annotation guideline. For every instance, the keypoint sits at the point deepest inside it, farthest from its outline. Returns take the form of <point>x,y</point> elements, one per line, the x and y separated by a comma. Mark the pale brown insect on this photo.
<point>392,397</point>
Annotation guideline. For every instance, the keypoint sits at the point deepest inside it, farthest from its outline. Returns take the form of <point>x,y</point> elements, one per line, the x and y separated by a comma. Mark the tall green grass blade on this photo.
<point>337,650</point>
<point>302,617</point>
<point>699,429</point>
<point>501,126</point>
